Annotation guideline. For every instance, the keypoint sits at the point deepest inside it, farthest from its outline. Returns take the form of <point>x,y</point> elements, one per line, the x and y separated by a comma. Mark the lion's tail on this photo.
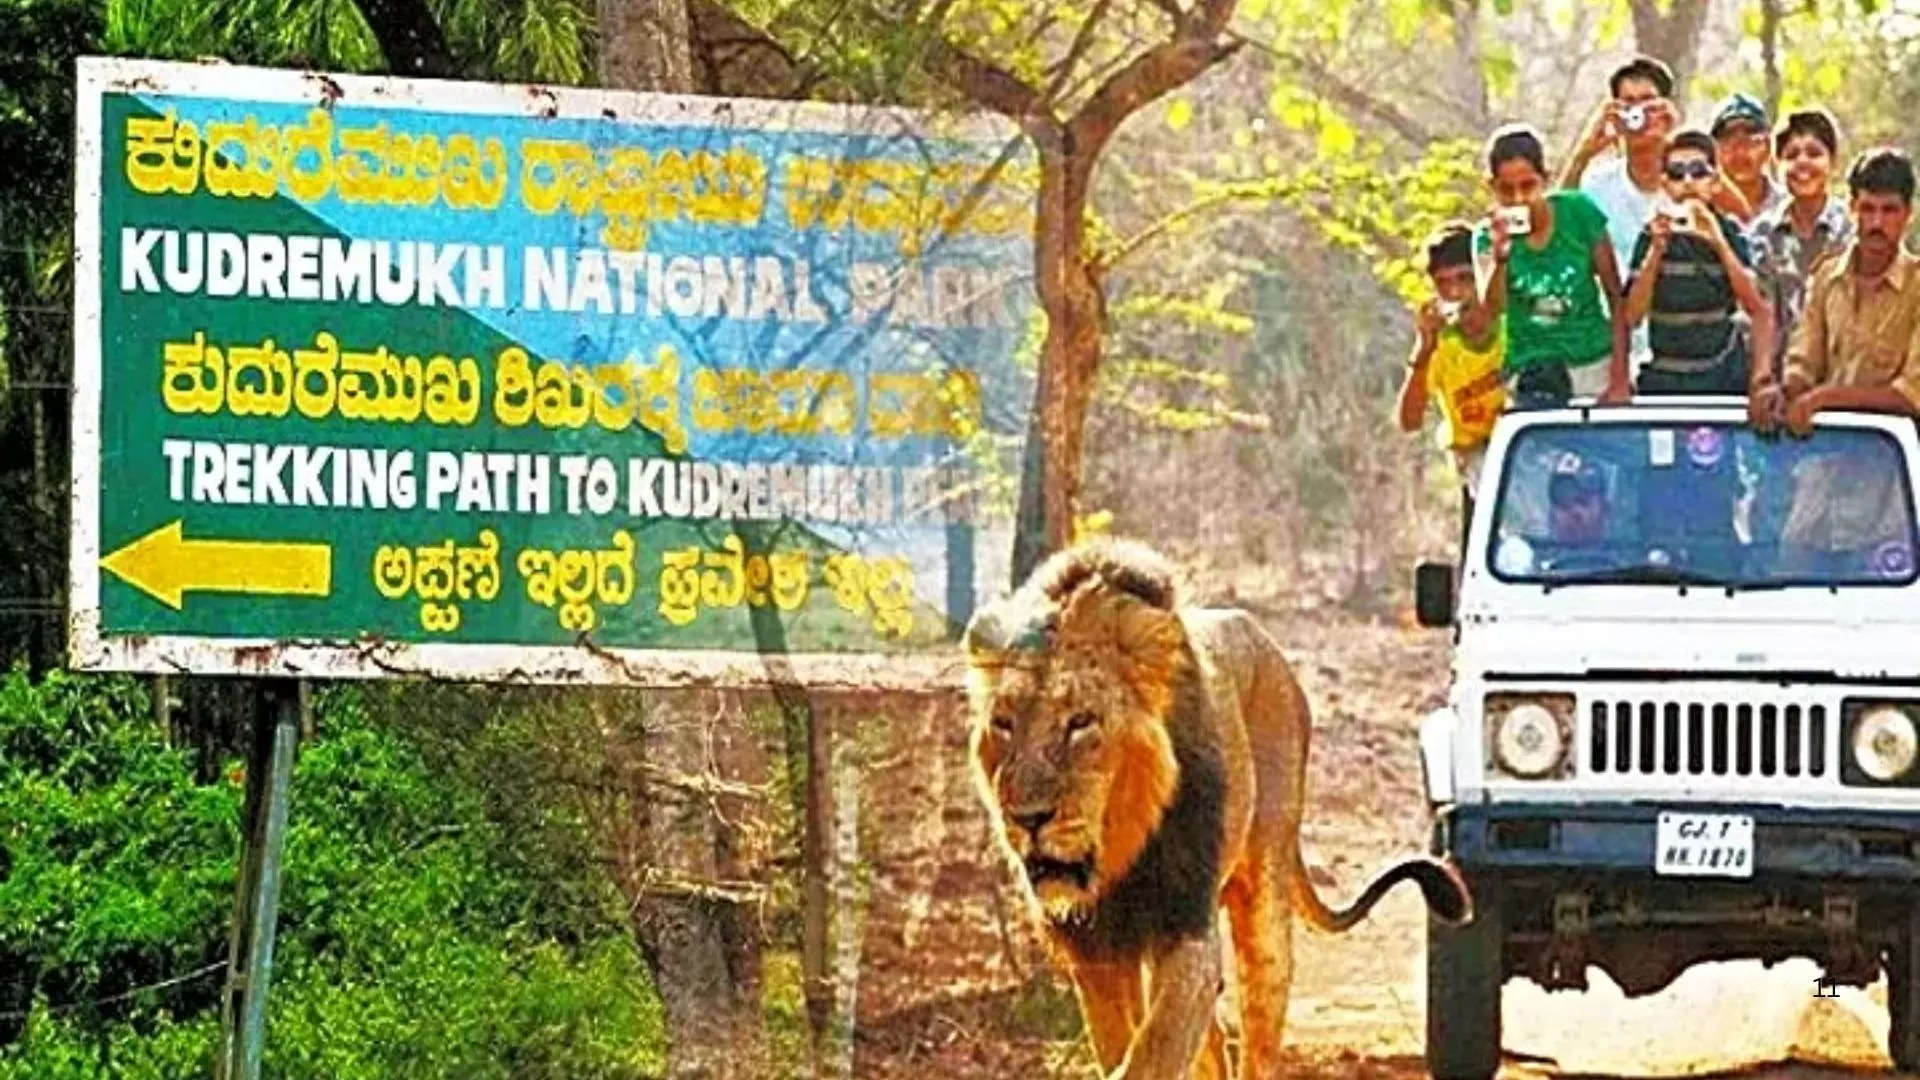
<point>1445,891</point>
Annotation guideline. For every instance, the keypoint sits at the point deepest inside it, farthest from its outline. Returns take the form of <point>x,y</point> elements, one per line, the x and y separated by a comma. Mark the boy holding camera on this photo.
<point>1551,273</point>
<point>1617,159</point>
<point>1458,351</point>
<point>1692,276</point>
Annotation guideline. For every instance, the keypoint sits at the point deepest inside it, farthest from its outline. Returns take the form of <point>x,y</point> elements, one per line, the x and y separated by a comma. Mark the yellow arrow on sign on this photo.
<point>165,564</point>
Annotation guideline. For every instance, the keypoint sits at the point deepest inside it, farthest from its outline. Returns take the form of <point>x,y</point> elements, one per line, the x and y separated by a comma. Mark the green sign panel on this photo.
<point>383,377</point>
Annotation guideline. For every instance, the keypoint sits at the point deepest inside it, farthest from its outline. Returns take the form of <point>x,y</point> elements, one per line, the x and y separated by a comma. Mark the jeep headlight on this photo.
<point>1884,743</point>
<point>1530,734</point>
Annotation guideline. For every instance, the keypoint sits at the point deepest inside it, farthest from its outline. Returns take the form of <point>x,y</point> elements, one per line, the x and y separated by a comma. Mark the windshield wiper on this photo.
<point>1644,574</point>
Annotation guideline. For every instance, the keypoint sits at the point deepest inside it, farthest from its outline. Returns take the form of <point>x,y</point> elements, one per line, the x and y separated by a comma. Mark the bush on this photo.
<point>402,947</point>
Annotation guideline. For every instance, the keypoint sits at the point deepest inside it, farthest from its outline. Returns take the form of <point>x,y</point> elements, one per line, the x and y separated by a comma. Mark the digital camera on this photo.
<point>1678,213</point>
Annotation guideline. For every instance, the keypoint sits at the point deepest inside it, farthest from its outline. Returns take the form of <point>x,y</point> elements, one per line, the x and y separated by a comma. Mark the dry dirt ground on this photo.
<point>951,987</point>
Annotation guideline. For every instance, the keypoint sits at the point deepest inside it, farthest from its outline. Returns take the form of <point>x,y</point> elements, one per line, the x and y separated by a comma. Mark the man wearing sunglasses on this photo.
<point>1692,279</point>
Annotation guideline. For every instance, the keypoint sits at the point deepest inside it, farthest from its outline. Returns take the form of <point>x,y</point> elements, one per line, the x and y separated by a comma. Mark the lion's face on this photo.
<point>1068,735</point>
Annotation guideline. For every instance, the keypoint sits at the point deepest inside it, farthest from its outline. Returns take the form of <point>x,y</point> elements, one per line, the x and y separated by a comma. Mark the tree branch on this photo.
<point>1195,46</point>
<point>1332,86</point>
<point>1172,10</point>
<point>1082,40</point>
<point>1672,35</point>
<point>1235,193</point>
<point>992,87</point>
<point>700,783</point>
<point>1164,67</point>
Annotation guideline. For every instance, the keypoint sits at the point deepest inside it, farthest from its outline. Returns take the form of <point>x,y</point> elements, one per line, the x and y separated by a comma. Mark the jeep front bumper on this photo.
<point>1574,884</point>
<point>1498,840</point>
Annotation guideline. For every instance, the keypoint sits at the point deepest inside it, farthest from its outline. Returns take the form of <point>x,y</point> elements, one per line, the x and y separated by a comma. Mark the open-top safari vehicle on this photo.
<point>1684,721</point>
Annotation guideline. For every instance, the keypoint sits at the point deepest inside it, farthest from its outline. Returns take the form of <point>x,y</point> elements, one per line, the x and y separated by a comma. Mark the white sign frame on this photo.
<point>584,664</point>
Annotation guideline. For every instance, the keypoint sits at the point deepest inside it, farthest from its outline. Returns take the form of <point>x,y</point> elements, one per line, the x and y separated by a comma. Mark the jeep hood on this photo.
<point>1722,643</point>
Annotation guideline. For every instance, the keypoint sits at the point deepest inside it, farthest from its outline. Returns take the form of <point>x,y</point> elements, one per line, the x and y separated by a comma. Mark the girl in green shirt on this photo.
<point>1546,259</point>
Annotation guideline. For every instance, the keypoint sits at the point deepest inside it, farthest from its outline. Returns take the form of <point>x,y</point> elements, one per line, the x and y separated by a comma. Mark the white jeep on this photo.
<point>1682,723</point>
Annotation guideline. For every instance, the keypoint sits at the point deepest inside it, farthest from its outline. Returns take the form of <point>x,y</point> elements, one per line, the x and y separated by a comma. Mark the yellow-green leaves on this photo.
<point>1180,114</point>
<point>1827,79</point>
<point>1336,138</point>
<point>1207,313</point>
<point>1292,106</point>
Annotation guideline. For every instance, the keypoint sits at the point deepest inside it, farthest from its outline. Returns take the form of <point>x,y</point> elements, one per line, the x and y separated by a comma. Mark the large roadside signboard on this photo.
<point>386,377</point>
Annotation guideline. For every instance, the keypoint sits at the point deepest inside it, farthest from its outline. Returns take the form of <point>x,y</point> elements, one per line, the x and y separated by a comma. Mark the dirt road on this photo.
<point>1358,1008</point>
<point>1368,684</point>
<point>1738,1019</point>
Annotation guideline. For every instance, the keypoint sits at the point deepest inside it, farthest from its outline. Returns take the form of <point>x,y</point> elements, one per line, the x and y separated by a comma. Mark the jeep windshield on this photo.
<point>1717,504</point>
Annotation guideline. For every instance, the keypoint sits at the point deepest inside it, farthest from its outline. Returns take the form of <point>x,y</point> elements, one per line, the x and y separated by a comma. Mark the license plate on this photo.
<point>1703,845</point>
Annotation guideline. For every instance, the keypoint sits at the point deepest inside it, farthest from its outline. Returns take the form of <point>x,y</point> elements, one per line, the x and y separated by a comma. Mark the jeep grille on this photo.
<point>1634,737</point>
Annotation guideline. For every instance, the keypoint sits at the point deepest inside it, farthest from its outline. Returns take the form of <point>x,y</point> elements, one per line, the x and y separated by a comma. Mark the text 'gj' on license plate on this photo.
<point>1715,845</point>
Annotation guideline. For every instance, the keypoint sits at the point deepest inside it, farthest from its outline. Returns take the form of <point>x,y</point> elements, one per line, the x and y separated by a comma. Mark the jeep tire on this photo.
<point>1903,1000</point>
<point>1464,975</point>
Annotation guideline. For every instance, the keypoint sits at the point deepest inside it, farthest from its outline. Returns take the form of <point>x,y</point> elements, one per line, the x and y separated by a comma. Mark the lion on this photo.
<point>1144,764</point>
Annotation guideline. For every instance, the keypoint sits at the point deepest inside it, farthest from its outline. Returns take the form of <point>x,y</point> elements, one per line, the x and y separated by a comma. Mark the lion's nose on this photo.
<point>1033,821</point>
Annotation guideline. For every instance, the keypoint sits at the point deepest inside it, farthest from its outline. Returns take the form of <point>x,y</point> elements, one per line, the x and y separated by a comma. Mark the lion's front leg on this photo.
<point>1111,1002</point>
<point>1183,985</point>
<point>1213,1064</point>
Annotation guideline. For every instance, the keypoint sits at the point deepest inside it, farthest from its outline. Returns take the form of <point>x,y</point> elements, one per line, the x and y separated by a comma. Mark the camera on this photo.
<point>1519,219</point>
<point>1678,213</point>
<point>1634,118</point>
<point>1450,311</point>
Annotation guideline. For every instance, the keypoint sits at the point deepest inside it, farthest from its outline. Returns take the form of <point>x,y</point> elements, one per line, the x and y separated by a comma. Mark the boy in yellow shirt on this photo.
<point>1456,359</point>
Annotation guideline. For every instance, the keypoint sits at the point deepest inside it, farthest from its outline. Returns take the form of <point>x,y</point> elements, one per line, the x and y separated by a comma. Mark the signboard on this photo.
<point>386,377</point>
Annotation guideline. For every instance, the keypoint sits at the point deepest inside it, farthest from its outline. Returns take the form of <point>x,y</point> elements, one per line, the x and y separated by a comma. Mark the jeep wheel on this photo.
<point>1463,993</point>
<point>1903,1004</point>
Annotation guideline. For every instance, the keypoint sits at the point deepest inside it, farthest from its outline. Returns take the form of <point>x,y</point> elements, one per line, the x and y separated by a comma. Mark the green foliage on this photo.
<point>404,948</point>
<point>118,861</point>
<point>539,40</point>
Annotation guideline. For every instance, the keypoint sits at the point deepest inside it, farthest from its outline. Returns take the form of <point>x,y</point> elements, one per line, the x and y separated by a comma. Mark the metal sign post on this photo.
<point>276,731</point>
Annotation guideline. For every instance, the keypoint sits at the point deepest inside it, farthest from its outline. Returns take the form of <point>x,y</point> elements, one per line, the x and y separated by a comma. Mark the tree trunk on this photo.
<point>1070,292</point>
<point>1468,73</point>
<point>701,946</point>
<point>1067,277</point>
<point>734,58</point>
<point>816,901</point>
<point>849,901</point>
<point>698,935</point>
<point>410,37</point>
<point>1029,530</point>
<point>161,690</point>
<point>1672,35</point>
<point>1770,15</point>
<point>646,45</point>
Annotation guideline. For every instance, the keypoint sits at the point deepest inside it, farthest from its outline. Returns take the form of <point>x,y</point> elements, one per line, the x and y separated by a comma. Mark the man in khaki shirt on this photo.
<point>1854,348</point>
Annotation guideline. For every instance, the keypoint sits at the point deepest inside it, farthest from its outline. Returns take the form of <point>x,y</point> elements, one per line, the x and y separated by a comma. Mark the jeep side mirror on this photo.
<point>1433,593</point>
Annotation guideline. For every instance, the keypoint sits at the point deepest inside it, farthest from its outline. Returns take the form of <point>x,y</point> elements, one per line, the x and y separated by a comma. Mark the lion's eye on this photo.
<point>1003,724</point>
<point>1081,722</point>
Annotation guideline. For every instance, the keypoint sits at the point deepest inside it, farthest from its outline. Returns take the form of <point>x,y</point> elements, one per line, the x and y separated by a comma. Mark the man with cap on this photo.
<point>1560,525</point>
<point>1741,132</point>
<point>1577,505</point>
